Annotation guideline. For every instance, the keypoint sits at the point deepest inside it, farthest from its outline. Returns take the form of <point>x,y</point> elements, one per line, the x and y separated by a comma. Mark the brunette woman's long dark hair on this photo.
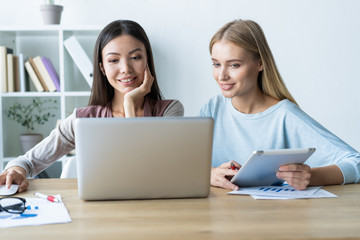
<point>102,92</point>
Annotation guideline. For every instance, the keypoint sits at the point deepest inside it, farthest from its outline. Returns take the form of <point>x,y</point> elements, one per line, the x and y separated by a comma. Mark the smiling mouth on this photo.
<point>126,80</point>
<point>226,86</point>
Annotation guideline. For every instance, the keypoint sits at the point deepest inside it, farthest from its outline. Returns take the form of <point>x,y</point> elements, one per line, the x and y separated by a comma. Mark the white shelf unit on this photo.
<point>74,91</point>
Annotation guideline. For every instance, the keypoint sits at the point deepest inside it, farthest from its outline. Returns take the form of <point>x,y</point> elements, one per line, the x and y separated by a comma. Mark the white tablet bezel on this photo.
<point>260,169</point>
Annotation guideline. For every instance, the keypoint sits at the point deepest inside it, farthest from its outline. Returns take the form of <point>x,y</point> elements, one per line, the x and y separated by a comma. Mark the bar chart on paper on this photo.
<point>276,189</point>
<point>38,212</point>
<point>282,192</point>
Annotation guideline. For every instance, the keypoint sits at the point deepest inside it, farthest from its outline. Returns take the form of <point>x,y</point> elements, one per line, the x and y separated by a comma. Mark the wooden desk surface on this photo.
<point>221,216</point>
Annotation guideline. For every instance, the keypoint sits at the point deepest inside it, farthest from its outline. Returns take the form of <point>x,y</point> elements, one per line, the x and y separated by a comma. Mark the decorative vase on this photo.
<point>29,140</point>
<point>51,13</point>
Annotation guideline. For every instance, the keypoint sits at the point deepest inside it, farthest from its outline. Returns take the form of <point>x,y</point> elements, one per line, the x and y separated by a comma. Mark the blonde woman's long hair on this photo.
<point>248,34</point>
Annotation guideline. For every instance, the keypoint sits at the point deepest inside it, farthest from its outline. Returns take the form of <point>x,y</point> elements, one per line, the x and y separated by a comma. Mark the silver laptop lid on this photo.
<point>143,158</point>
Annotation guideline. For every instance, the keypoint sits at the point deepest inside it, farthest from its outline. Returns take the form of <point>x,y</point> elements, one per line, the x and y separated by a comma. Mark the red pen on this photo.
<point>233,167</point>
<point>50,198</point>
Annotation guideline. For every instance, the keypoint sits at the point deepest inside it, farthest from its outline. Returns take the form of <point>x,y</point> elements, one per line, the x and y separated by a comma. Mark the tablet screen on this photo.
<point>260,169</point>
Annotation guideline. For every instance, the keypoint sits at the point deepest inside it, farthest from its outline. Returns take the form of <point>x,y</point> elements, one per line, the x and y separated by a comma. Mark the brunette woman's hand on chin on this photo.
<point>134,99</point>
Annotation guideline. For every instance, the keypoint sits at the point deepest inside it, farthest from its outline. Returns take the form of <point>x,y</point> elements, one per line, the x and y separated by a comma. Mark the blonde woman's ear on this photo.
<point>261,67</point>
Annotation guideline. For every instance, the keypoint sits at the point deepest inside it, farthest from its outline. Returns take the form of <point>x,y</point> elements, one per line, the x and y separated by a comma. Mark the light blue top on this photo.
<point>284,125</point>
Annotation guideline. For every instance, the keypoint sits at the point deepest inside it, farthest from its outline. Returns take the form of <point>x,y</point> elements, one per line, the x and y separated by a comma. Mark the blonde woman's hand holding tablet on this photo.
<point>296,175</point>
<point>220,175</point>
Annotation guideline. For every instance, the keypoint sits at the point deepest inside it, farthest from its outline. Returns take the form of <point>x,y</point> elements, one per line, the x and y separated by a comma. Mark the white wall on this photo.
<point>316,45</point>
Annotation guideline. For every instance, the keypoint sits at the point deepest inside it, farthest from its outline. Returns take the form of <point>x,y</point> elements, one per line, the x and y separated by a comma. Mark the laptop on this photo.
<point>143,158</point>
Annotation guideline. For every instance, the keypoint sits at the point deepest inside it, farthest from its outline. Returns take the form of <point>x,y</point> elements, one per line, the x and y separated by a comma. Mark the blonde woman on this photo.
<point>256,111</point>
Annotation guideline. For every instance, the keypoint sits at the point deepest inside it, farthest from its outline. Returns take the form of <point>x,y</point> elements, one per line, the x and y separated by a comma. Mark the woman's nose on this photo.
<point>125,67</point>
<point>223,75</point>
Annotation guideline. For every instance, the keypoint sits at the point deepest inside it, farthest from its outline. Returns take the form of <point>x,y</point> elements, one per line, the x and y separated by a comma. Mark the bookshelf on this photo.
<point>74,90</point>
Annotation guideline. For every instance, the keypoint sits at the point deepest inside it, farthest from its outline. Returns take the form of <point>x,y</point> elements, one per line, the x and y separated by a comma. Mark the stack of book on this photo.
<point>42,74</point>
<point>7,64</point>
<point>40,70</point>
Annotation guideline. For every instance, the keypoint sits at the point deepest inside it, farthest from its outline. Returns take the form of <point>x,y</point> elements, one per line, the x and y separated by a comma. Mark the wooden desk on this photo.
<point>221,216</point>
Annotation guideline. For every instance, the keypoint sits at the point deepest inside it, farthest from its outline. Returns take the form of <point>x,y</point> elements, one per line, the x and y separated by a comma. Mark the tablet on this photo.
<point>260,169</point>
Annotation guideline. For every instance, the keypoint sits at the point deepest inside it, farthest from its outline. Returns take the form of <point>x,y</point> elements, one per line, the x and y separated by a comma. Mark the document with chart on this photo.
<point>283,192</point>
<point>38,212</point>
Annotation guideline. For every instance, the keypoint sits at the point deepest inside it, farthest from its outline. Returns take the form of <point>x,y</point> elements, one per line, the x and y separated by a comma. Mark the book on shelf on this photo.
<point>3,68</point>
<point>16,73</point>
<point>38,74</point>
<point>44,74</point>
<point>33,77</point>
<point>52,72</point>
<point>10,73</point>
<point>22,73</point>
<point>80,58</point>
<point>4,51</point>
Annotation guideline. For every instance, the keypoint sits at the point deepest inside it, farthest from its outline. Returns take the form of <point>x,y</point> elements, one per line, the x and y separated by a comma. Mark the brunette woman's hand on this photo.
<point>220,176</point>
<point>140,92</point>
<point>137,95</point>
<point>296,175</point>
<point>15,175</point>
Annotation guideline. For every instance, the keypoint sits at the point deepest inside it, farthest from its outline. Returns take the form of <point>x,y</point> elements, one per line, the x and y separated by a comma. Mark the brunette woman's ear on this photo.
<point>102,69</point>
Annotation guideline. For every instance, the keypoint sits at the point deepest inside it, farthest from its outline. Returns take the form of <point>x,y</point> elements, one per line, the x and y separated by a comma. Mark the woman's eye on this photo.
<point>235,65</point>
<point>113,60</point>
<point>136,58</point>
<point>216,65</point>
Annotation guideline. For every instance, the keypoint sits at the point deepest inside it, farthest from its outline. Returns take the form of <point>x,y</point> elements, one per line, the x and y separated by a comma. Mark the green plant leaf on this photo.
<point>31,115</point>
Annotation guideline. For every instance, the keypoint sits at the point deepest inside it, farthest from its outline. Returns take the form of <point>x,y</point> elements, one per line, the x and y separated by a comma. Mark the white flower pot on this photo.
<point>51,13</point>
<point>29,140</point>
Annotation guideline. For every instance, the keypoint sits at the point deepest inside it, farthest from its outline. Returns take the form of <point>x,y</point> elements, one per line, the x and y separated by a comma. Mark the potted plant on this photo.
<point>37,112</point>
<point>51,12</point>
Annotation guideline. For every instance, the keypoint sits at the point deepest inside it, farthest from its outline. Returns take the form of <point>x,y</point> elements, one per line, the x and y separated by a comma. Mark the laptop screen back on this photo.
<point>143,158</point>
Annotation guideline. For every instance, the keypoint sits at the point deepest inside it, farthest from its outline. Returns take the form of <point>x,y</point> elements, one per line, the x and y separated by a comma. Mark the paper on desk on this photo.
<point>283,192</point>
<point>321,193</point>
<point>39,211</point>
